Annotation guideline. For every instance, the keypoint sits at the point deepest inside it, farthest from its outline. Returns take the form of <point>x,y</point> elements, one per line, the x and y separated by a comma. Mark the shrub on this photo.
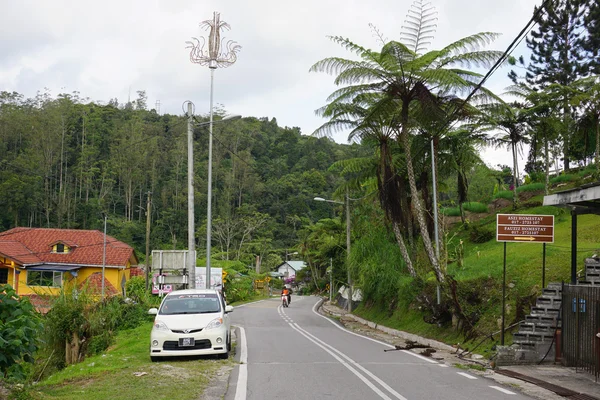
<point>563,178</point>
<point>19,326</point>
<point>451,211</point>
<point>504,194</point>
<point>239,289</point>
<point>481,235</point>
<point>532,187</point>
<point>475,207</point>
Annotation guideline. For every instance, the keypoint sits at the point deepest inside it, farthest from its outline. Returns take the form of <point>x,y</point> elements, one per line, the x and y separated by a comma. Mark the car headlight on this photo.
<point>215,323</point>
<point>160,326</point>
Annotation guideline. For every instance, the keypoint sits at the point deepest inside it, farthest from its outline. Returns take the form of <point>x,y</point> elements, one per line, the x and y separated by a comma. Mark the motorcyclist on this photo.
<point>286,292</point>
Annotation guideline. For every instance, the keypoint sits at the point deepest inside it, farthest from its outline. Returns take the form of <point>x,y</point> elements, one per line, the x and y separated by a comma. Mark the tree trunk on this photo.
<point>597,144</point>
<point>404,250</point>
<point>547,155</point>
<point>418,206</point>
<point>515,196</point>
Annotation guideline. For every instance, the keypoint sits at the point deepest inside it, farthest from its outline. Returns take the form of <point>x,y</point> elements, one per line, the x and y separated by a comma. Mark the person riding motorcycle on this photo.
<point>287,292</point>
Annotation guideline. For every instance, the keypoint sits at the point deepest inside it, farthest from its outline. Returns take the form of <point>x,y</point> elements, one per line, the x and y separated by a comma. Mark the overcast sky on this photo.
<point>107,49</point>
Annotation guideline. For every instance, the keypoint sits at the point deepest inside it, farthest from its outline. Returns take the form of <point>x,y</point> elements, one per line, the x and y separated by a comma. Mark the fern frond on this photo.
<point>419,26</point>
<point>470,43</point>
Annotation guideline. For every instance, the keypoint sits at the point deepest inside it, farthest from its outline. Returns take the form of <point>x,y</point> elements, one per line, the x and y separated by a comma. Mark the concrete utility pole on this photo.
<point>148,268</point>
<point>348,251</point>
<point>104,256</point>
<point>191,258</point>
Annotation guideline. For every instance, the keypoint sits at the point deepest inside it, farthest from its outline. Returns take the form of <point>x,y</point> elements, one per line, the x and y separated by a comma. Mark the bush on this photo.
<point>451,211</point>
<point>19,326</point>
<point>475,207</point>
<point>532,187</point>
<point>563,178</point>
<point>504,194</point>
<point>239,289</point>
<point>88,326</point>
<point>481,235</point>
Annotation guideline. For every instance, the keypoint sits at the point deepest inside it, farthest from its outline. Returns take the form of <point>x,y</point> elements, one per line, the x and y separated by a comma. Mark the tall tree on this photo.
<point>591,42</point>
<point>402,83</point>
<point>557,55</point>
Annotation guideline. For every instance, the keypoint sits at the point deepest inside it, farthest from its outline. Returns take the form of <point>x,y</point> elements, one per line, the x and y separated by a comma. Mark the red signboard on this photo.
<point>525,228</point>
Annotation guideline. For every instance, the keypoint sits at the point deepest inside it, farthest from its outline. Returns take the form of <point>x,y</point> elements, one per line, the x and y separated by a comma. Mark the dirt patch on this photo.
<point>499,204</point>
<point>169,370</point>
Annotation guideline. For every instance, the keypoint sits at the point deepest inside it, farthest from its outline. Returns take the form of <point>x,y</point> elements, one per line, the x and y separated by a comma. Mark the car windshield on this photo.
<point>190,304</point>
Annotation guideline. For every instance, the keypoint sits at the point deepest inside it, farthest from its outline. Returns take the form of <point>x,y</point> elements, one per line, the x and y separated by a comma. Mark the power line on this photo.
<point>511,47</point>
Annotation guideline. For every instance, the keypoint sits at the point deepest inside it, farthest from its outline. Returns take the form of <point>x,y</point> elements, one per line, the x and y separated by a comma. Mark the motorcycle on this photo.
<point>284,300</point>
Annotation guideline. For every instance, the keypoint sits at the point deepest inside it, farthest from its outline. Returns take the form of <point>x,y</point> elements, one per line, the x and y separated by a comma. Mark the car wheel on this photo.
<point>229,342</point>
<point>153,359</point>
<point>224,356</point>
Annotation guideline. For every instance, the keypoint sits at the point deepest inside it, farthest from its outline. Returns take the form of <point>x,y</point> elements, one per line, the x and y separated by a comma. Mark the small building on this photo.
<point>40,261</point>
<point>288,269</point>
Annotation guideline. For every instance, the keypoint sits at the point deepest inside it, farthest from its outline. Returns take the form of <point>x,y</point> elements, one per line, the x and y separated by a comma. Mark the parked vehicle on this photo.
<point>191,322</point>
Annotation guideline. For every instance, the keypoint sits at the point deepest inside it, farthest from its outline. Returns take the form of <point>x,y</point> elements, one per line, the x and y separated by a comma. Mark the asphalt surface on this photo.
<point>296,353</point>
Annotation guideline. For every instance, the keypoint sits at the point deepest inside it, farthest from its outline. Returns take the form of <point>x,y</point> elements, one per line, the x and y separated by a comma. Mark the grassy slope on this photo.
<point>111,375</point>
<point>482,265</point>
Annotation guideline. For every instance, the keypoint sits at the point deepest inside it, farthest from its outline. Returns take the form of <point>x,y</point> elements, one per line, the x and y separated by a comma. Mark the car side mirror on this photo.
<point>153,311</point>
<point>228,309</point>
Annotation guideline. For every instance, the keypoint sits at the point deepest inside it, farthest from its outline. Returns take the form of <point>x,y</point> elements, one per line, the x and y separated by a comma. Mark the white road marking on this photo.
<point>502,390</point>
<point>357,365</point>
<point>466,375</point>
<point>371,339</point>
<point>345,364</point>
<point>443,365</point>
<point>242,381</point>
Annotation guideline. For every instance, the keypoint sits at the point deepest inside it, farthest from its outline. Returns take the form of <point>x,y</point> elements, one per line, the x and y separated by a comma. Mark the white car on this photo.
<point>189,323</point>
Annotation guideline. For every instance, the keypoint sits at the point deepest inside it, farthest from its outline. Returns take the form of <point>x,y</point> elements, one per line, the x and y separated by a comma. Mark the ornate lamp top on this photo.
<point>215,56</point>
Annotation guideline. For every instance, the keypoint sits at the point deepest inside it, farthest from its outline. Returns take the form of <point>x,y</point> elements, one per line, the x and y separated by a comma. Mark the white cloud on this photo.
<point>113,48</point>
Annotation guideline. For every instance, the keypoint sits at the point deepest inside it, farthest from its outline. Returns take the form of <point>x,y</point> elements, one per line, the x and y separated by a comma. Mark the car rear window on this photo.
<point>190,304</point>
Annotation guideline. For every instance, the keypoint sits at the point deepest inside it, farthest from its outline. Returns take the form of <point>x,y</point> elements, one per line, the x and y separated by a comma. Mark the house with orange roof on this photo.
<point>40,261</point>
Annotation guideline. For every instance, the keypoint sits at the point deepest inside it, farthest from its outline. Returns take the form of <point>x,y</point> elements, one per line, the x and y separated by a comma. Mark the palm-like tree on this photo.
<point>401,84</point>
<point>390,183</point>
<point>513,122</point>
<point>460,152</point>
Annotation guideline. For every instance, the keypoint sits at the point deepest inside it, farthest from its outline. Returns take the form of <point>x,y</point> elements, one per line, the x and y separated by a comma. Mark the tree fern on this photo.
<point>419,26</point>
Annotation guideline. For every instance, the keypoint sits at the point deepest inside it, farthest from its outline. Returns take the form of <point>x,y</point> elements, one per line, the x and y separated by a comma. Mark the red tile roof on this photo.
<point>93,284</point>
<point>18,252</point>
<point>41,303</point>
<point>136,271</point>
<point>86,247</point>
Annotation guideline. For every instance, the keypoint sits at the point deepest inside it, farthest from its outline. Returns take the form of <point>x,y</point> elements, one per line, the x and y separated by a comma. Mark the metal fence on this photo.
<point>581,328</point>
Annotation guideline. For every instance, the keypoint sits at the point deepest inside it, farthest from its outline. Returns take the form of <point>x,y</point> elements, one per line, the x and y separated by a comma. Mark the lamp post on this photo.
<point>347,204</point>
<point>214,57</point>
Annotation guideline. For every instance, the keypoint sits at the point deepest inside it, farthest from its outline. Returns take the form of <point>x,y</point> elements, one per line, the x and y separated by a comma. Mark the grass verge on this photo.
<point>126,372</point>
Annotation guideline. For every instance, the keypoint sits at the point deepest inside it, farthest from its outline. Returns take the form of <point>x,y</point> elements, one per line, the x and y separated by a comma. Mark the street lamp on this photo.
<point>347,203</point>
<point>209,199</point>
<point>213,57</point>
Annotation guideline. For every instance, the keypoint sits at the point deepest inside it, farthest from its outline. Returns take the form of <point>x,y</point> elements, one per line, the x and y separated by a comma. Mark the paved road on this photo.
<point>296,353</point>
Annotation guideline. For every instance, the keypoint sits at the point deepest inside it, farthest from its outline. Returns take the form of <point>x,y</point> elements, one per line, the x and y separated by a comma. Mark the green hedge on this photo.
<point>504,194</point>
<point>475,207</point>
<point>532,187</point>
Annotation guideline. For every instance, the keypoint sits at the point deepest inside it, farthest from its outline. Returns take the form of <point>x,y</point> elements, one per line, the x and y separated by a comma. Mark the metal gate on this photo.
<point>581,328</point>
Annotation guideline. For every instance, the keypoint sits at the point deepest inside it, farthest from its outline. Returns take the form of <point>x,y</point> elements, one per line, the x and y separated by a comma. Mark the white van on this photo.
<point>191,322</point>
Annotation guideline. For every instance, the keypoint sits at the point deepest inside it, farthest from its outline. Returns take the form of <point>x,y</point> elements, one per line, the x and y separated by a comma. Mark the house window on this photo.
<point>60,248</point>
<point>44,278</point>
<point>3,275</point>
